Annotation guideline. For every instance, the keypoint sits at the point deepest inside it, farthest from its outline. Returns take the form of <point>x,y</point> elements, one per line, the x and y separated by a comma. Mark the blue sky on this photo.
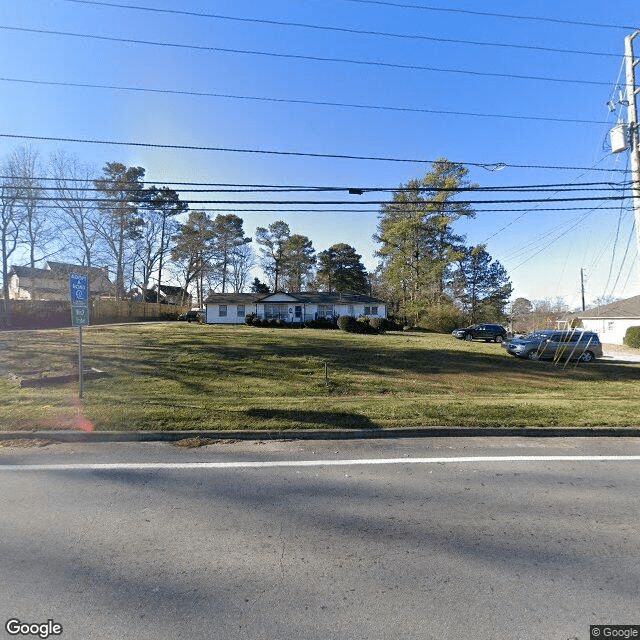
<point>464,103</point>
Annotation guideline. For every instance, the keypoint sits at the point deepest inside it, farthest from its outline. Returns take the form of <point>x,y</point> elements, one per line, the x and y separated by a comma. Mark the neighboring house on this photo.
<point>232,308</point>
<point>52,282</point>
<point>168,295</point>
<point>173,295</point>
<point>611,321</point>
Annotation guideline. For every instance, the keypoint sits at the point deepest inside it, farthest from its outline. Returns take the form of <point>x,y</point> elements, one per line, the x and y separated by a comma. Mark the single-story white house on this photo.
<point>611,321</point>
<point>232,308</point>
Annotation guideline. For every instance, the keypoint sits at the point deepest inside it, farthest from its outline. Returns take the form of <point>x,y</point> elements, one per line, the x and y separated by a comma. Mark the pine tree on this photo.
<point>340,269</point>
<point>419,247</point>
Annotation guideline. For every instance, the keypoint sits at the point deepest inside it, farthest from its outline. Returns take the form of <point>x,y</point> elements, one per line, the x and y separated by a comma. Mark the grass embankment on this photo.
<point>177,376</point>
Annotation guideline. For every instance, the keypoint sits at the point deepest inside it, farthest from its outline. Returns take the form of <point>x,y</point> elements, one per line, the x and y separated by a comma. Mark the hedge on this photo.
<point>632,337</point>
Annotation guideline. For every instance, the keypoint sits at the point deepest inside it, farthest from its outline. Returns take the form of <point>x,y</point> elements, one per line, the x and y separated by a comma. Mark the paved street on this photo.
<point>500,538</point>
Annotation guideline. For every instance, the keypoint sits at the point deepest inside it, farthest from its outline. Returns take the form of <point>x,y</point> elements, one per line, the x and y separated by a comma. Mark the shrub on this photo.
<point>249,318</point>
<point>379,324</point>
<point>321,323</point>
<point>347,323</point>
<point>632,337</point>
<point>442,318</point>
<point>351,325</point>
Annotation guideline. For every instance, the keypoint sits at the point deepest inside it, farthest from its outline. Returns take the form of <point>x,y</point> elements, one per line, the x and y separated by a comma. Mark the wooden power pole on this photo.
<point>632,120</point>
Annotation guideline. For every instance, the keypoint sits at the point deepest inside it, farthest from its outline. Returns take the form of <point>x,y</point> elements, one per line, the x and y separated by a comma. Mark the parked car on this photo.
<point>487,332</point>
<point>193,315</point>
<point>561,345</point>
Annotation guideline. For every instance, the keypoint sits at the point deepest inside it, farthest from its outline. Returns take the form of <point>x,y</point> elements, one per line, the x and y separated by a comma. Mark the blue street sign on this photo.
<point>79,289</point>
<point>79,294</point>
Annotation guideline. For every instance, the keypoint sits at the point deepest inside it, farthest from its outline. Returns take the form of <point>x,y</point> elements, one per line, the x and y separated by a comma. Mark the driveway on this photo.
<point>621,353</point>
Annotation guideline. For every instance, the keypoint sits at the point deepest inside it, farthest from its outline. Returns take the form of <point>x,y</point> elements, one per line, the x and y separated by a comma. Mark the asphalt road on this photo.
<point>497,538</point>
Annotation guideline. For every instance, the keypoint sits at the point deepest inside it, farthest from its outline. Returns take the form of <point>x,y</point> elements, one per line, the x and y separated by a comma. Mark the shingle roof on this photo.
<point>331,298</point>
<point>304,297</point>
<point>628,308</point>
<point>67,267</point>
<point>34,272</point>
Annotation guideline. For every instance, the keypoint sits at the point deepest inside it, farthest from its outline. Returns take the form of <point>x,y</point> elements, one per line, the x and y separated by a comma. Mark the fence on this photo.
<point>49,314</point>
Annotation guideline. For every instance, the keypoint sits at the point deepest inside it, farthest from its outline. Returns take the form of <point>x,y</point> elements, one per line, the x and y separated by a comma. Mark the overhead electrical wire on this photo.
<point>351,203</point>
<point>292,56</point>
<point>510,16</point>
<point>347,30</point>
<point>214,187</point>
<point>320,103</point>
<point>302,154</point>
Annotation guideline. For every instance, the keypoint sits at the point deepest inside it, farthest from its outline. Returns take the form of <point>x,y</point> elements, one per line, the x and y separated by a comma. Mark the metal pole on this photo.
<point>632,117</point>
<point>80,364</point>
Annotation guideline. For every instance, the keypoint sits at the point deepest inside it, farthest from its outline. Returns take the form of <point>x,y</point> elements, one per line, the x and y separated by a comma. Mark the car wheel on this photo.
<point>533,355</point>
<point>498,339</point>
<point>468,337</point>
<point>587,356</point>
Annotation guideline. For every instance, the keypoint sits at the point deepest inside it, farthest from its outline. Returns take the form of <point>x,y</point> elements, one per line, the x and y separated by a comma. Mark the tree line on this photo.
<point>141,234</point>
<point>146,233</point>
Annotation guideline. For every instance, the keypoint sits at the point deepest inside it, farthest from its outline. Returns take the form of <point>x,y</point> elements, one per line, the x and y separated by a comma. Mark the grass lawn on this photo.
<point>185,376</point>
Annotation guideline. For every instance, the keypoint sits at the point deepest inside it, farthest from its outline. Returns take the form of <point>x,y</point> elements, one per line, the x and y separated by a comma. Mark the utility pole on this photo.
<point>582,287</point>
<point>632,118</point>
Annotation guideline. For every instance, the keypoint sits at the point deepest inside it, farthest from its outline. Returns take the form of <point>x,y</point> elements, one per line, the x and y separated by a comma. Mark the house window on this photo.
<point>351,310</point>
<point>222,310</point>
<point>367,311</point>
<point>240,311</point>
<point>610,326</point>
<point>325,310</point>
<point>275,311</point>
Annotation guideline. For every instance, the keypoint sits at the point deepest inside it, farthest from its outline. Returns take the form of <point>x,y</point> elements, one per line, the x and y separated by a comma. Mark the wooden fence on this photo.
<point>49,314</point>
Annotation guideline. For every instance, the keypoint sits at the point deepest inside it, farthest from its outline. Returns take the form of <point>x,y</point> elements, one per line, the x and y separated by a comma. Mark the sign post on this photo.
<point>79,294</point>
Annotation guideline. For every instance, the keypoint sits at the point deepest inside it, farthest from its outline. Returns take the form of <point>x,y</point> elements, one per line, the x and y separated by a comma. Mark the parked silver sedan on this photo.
<point>573,344</point>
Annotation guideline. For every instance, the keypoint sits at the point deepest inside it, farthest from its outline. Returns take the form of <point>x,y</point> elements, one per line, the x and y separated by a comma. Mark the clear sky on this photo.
<point>480,83</point>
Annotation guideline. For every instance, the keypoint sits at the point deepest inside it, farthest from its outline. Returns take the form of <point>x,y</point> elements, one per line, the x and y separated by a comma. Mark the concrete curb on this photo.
<point>321,434</point>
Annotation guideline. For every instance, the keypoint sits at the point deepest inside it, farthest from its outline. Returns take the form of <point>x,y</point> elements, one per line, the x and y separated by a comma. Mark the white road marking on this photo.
<point>149,466</point>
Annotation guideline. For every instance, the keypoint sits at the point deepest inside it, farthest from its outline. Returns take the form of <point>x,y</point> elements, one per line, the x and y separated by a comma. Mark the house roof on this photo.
<point>33,272</point>
<point>329,298</point>
<point>66,268</point>
<point>628,308</point>
<point>232,298</point>
<point>303,297</point>
<point>58,270</point>
<point>171,290</point>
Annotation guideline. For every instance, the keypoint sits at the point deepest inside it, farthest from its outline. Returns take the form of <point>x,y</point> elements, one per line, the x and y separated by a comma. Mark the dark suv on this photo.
<point>193,315</point>
<point>575,344</point>
<point>487,332</point>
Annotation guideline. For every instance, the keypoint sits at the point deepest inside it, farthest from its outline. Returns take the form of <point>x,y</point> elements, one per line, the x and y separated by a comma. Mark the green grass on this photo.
<point>176,376</point>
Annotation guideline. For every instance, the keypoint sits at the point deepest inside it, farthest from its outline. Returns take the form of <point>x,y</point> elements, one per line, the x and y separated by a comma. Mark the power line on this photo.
<point>398,205</point>
<point>321,103</point>
<point>352,31</point>
<point>292,56</point>
<point>580,23</point>
<point>274,188</point>
<point>332,156</point>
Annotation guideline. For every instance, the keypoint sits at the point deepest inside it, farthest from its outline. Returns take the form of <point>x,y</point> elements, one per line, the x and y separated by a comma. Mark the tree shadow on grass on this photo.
<point>341,419</point>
